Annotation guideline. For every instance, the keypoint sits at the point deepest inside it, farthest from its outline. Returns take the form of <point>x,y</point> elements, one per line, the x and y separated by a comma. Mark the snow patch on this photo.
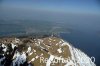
<point>29,49</point>
<point>17,40</point>
<point>13,45</point>
<point>20,58</point>
<point>4,48</point>
<point>59,50</point>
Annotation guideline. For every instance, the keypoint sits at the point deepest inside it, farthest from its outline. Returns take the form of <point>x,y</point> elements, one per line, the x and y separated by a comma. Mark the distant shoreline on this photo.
<point>33,35</point>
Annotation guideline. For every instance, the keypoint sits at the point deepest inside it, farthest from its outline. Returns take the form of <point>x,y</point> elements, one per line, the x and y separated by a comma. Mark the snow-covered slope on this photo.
<point>49,51</point>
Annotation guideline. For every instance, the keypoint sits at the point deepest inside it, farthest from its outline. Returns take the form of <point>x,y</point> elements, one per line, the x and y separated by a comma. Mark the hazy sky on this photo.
<point>73,6</point>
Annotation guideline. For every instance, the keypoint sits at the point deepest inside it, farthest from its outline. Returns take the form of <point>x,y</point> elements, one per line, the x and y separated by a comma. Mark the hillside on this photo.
<point>48,51</point>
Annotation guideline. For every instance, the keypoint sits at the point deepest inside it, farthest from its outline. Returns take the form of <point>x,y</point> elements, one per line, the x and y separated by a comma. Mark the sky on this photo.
<point>49,9</point>
<point>74,6</point>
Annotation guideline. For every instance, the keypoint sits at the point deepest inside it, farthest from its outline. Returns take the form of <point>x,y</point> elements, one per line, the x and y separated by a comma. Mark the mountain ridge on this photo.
<point>48,51</point>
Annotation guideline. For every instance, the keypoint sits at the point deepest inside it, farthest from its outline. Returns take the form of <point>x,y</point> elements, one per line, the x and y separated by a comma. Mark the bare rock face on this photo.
<point>49,51</point>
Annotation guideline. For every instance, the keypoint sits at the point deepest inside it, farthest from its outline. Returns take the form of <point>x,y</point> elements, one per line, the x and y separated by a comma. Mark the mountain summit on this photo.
<point>48,51</point>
